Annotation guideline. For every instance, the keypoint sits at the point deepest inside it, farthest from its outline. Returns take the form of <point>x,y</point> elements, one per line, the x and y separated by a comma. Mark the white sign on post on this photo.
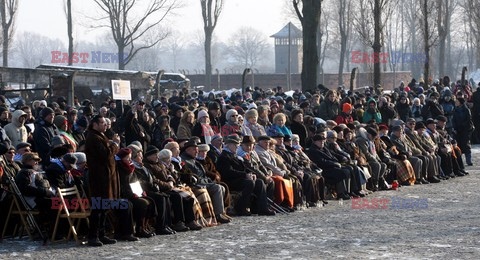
<point>121,90</point>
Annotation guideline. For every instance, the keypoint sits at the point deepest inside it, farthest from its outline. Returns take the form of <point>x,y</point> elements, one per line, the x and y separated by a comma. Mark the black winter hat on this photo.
<point>46,111</point>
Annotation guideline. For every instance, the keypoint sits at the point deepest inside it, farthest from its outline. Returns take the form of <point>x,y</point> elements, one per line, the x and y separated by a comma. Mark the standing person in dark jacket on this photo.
<point>134,131</point>
<point>463,125</point>
<point>44,132</point>
<point>476,114</point>
<point>104,182</point>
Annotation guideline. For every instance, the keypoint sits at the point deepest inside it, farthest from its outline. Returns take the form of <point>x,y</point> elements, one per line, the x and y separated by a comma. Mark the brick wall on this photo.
<point>265,81</point>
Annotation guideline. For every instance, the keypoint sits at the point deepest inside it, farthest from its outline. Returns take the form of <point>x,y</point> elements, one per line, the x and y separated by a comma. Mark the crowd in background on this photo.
<point>201,158</point>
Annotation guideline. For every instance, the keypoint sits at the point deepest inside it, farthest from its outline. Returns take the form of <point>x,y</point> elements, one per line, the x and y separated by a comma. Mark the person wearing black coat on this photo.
<point>333,172</point>
<point>176,114</point>
<point>44,132</point>
<point>476,114</point>
<point>58,172</point>
<point>235,175</point>
<point>463,125</point>
<point>143,206</point>
<point>38,192</point>
<point>134,131</point>
<point>403,108</point>
<point>432,109</point>
<point>298,126</point>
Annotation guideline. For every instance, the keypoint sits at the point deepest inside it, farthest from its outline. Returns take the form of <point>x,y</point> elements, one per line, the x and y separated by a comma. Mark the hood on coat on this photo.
<point>16,115</point>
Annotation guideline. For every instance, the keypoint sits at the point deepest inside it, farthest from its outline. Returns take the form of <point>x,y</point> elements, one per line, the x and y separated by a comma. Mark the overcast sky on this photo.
<point>48,18</point>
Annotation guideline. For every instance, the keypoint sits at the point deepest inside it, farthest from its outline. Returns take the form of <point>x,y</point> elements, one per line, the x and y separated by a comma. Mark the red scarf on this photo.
<point>129,166</point>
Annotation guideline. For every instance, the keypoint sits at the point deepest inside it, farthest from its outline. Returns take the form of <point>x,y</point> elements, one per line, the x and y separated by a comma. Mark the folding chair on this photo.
<point>17,209</point>
<point>76,215</point>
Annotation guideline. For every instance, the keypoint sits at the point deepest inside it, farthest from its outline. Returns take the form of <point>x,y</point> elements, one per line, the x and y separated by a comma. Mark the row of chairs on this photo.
<point>73,217</point>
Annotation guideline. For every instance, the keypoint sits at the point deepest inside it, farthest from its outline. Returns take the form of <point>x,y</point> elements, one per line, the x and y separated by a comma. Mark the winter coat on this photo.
<point>16,132</point>
<point>254,130</point>
<point>432,110</point>
<point>103,177</point>
<point>58,176</point>
<point>370,114</point>
<point>184,130</point>
<point>300,130</point>
<point>462,120</point>
<point>134,131</point>
<point>43,134</point>
<point>403,110</point>
<point>160,176</point>
<point>328,110</point>
<point>232,169</point>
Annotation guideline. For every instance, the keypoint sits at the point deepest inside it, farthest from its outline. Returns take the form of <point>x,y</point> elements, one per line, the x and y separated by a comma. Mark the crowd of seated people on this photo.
<point>199,161</point>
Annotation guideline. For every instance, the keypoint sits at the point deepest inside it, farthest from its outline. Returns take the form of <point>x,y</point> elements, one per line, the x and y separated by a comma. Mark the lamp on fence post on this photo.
<point>244,76</point>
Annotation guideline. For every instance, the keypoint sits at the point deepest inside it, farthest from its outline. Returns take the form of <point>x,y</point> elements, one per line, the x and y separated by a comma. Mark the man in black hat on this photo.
<point>253,164</point>
<point>44,132</point>
<point>333,172</point>
<point>194,167</point>
<point>238,178</point>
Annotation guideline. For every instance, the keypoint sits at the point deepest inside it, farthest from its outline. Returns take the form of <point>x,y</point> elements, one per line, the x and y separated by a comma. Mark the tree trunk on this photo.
<point>319,50</point>
<point>426,70</point>
<point>377,45</point>
<point>442,34</point>
<point>121,60</point>
<point>208,59</point>
<point>70,32</point>
<point>3,10</point>
<point>311,18</point>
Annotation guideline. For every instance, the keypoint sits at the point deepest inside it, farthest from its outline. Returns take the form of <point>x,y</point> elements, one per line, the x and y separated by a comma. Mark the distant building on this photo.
<point>281,49</point>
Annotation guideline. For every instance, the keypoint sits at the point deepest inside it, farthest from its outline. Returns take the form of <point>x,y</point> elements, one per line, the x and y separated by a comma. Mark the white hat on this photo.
<point>202,113</point>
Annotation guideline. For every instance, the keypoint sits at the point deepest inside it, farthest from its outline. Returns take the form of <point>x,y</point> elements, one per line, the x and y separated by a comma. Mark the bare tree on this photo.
<point>378,11</point>
<point>247,46</point>
<point>128,31</point>
<point>68,13</point>
<point>472,9</point>
<point>211,10</point>
<point>174,45</point>
<point>33,49</point>
<point>323,37</point>
<point>344,25</point>
<point>430,36</point>
<point>310,19</point>
<point>444,15</point>
<point>8,11</point>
